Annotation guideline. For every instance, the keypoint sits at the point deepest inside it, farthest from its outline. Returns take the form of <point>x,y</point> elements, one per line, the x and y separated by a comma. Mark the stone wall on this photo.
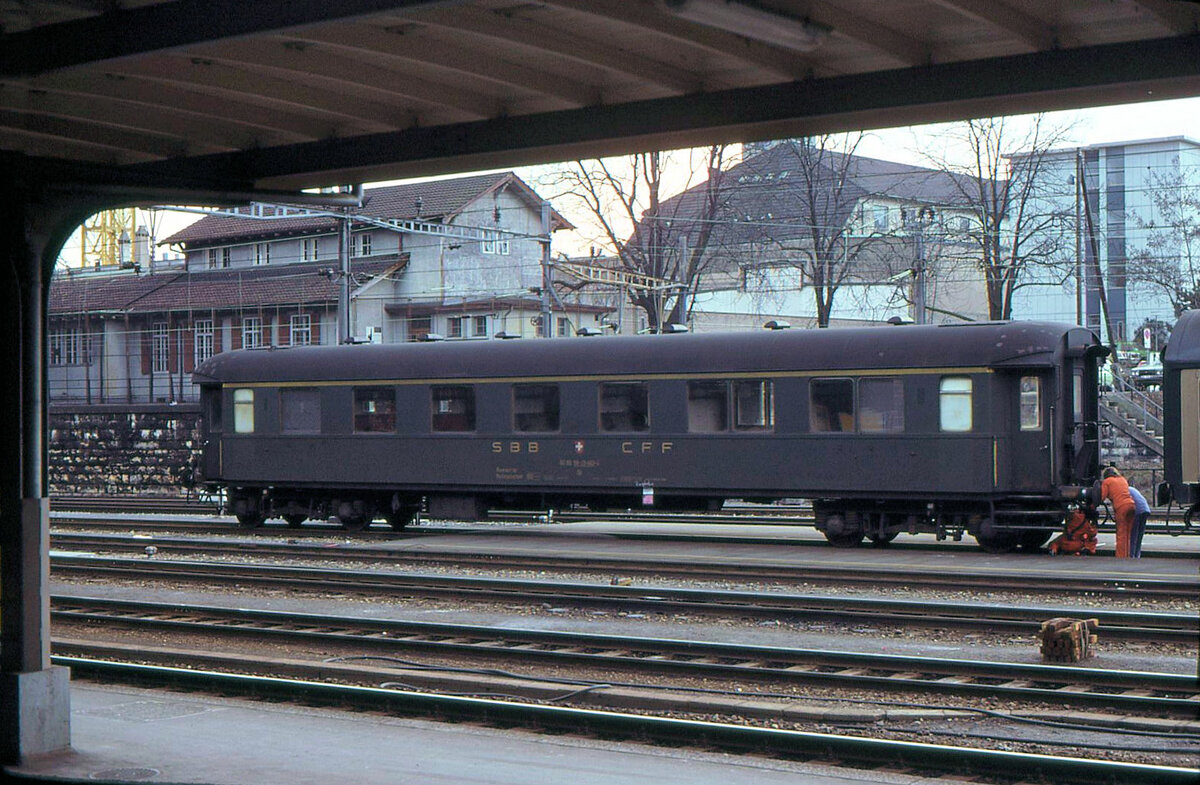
<point>148,449</point>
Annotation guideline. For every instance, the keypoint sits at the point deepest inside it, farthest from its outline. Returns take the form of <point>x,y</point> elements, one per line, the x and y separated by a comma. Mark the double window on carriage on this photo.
<point>868,405</point>
<point>717,406</point>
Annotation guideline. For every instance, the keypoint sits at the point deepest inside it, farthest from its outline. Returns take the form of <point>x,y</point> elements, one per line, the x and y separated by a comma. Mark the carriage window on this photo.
<point>831,405</point>
<point>624,407</point>
<point>454,408</point>
<point>1031,403</point>
<point>243,411</point>
<point>881,405</point>
<point>708,407</point>
<point>300,411</point>
<point>755,405</point>
<point>955,397</point>
<point>1077,396</point>
<point>535,407</point>
<point>374,410</point>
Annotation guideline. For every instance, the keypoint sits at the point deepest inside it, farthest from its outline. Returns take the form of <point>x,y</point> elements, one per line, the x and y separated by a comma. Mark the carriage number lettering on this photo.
<point>514,447</point>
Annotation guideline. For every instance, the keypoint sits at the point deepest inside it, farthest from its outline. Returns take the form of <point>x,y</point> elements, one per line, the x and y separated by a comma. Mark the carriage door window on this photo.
<point>243,411</point>
<point>831,406</point>
<point>755,405</point>
<point>374,410</point>
<point>1031,403</point>
<point>955,398</point>
<point>454,408</point>
<point>624,407</point>
<point>708,407</point>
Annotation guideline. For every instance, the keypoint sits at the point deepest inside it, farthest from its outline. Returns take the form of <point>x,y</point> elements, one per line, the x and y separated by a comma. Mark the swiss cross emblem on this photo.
<point>579,448</point>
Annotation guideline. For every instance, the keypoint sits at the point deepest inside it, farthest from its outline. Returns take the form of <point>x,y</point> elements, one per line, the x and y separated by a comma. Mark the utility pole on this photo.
<point>1078,236</point>
<point>547,279</point>
<point>344,335</point>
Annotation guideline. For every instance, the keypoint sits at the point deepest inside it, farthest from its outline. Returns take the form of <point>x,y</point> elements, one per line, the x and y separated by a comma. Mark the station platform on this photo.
<point>127,734</point>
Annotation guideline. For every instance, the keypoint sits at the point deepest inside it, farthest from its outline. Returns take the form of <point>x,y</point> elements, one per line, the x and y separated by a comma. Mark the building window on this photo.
<point>243,411</point>
<point>754,405</point>
<point>212,258</point>
<point>418,328</point>
<point>66,347</point>
<point>883,219</point>
<point>564,325</point>
<point>300,410</point>
<point>374,410</point>
<point>535,407</point>
<point>160,347</point>
<point>479,326</point>
<point>262,253</point>
<point>454,327</point>
<point>881,405</point>
<point>364,244</point>
<point>1031,403</point>
<point>252,334</point>
<point>831,406</point>
<point>453,408</point>
<point>624,406</point>
<point>494,242</point>
<point>226,257</point>
<point>955,408</point>
<point>308,249</point>
<point>300,330</point>
<point>204,339</point>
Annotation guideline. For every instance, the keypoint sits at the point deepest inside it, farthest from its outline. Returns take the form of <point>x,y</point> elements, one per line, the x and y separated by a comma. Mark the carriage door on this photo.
<point>211,430</point>
<point>1031,458</point>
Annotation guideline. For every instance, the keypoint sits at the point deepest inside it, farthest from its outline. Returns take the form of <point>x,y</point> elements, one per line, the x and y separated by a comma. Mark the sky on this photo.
<point>910,145</point>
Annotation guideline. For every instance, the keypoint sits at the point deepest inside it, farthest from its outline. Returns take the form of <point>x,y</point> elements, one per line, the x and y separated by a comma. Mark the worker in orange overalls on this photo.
<point>1079,536</point>
<point>1114,488</point>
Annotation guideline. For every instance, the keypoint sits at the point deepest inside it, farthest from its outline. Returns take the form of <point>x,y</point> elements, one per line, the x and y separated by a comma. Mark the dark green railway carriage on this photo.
<point>1181,416</point>
<point>988,429</point>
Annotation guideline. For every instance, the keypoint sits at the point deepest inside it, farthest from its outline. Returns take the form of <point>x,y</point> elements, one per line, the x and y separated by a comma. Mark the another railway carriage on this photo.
<point>988,429</point>
<point>1181,414</point>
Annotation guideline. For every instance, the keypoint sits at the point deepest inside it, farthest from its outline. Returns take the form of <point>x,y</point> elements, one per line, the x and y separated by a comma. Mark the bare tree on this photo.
<point>1170,259</point>
<point>664,239</point>
<point>1014,231</point>
<point>809,210</point>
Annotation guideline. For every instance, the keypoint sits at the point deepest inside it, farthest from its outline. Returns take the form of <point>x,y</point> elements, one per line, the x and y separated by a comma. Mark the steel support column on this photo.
<point>34,696</point>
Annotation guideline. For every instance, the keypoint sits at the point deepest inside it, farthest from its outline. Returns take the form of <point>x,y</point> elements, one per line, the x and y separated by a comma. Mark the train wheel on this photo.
<point>251,520</point>
<point>881,540</point>
<point>997,543</point>
<point>1033,540</point>
<point>295,520</point>
<point>852,540</point>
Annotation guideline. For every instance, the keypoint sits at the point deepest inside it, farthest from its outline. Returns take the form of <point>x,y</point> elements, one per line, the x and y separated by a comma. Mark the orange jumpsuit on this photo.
<point>1116,490</point>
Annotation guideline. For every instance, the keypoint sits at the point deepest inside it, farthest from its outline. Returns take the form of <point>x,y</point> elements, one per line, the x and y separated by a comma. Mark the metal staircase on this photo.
<point>1134,413</point>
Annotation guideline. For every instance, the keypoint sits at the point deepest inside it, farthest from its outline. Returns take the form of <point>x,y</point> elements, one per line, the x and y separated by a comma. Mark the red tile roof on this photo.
<point>226,289</point>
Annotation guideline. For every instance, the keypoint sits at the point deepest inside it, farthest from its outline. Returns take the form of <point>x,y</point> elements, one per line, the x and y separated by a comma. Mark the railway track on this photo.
<point>1140,625</point>
<point>735,514</point>
<point>789,570</point>
<point>1122,691</point>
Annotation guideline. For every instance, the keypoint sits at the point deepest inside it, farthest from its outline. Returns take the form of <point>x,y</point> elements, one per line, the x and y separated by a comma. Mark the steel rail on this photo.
<point>1143,626</point>
<point>859,751</point>
<point>751,569</point>
<point>1115,689</point>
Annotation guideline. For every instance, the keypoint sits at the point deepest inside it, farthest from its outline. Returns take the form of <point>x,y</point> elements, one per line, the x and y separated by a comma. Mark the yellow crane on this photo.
<point>100,239</point>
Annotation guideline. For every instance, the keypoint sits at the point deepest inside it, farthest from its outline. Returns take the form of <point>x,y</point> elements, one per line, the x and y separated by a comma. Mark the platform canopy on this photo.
<point>283,95</point>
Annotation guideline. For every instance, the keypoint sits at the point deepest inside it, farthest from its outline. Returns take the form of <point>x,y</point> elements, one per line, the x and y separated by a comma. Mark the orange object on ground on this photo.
<point>1079,537</point>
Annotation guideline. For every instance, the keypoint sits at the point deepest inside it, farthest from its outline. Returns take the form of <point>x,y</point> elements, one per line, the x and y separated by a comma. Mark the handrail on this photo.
<point>1151,410</point>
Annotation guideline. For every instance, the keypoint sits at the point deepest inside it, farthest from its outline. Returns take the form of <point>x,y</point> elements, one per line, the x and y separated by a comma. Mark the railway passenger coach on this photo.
<point>1181,414</point>
<point>988,429</point>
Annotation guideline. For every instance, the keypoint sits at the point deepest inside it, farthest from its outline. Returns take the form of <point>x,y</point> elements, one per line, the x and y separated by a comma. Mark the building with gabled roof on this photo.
<point>460,258</point>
